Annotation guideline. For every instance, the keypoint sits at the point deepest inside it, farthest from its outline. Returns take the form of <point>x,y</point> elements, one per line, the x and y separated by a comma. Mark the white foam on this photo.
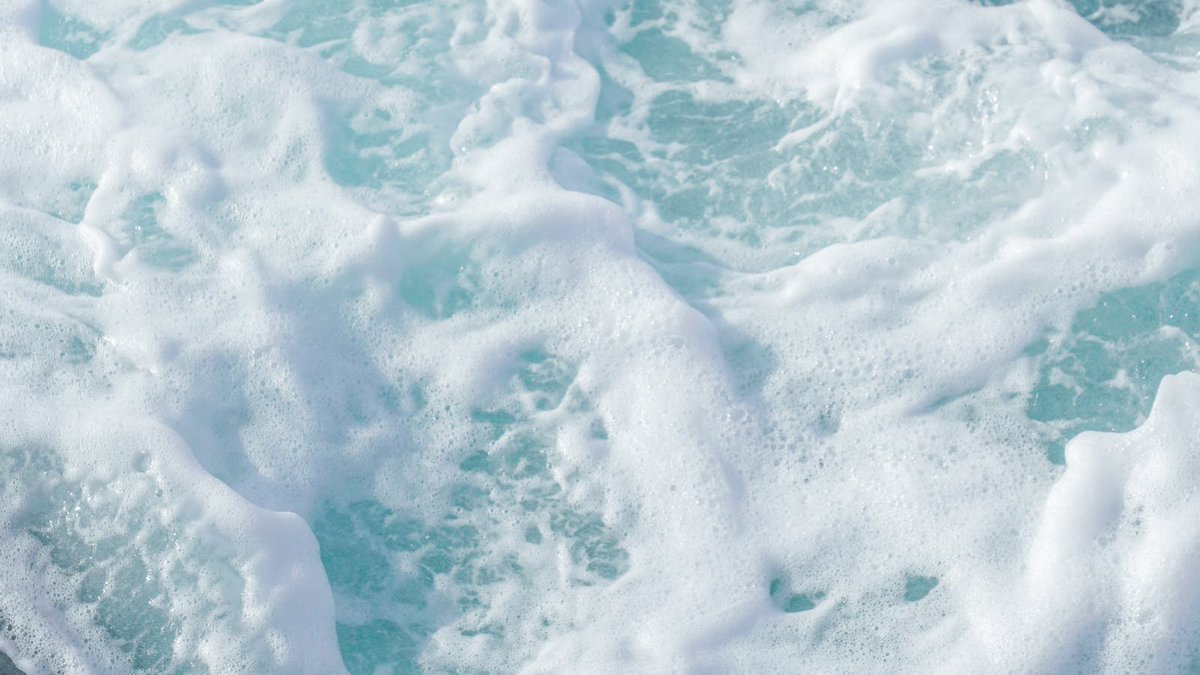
<point>836,418</point>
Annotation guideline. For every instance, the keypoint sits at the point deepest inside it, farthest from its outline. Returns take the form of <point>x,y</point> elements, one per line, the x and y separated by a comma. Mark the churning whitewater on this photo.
<point>587,336</point>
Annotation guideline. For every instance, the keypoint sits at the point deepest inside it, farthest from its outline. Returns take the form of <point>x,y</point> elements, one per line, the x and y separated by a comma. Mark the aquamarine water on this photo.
<point>677,336</point>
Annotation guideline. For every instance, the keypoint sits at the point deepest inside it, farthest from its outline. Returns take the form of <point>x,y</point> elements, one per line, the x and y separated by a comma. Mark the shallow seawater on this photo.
<point>678,336</point>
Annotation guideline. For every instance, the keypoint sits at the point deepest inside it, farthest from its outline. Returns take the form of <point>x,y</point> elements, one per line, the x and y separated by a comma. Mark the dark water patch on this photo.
<point>7,667</point>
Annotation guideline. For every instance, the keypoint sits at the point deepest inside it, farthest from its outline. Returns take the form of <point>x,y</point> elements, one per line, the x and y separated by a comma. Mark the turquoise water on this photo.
<point>586,336</point>
<point>1103,373</point>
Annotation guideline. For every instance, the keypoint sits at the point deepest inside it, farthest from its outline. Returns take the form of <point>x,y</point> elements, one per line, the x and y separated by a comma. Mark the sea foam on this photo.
<point>581,336</point>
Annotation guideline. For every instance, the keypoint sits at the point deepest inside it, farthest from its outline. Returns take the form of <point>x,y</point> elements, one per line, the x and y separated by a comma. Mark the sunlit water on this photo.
<point>577,336</point>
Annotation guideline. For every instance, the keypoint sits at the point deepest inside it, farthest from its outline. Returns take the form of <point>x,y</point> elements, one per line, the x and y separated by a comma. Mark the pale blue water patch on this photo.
<point>440,281</point>
<point>155,30</point>
<point>728,171</point>
<point>1177,50</point>
<point>398,577</point>
<point>917,587</point>
<point>789,601</point>
<point>706,170</point>
<point>310,23</point>
<point>141,233</point>
<point>68,34</point>
<point>375,150</point>
<point>418,34</point>
<point>393,156</point>
<point>668,59</point>
<point>109,552</point>
<point>1102,373</point>
<point>1124,19</point>
<point>1148,18</point>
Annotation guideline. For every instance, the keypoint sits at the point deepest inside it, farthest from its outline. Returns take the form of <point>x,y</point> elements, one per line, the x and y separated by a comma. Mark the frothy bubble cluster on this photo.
<point>588,336</point>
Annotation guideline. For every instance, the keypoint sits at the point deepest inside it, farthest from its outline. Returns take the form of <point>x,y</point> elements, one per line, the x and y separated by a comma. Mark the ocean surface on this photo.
<point>586,336</point>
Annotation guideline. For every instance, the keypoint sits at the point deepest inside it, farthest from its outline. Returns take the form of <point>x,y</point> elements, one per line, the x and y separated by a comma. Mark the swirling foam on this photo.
<point>556,335</point>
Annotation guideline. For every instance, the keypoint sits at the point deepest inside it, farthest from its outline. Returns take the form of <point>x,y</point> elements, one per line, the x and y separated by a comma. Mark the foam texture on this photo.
<point>676,336</point>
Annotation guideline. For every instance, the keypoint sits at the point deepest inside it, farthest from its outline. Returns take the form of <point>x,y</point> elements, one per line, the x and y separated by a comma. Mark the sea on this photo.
<point>599,336</point>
